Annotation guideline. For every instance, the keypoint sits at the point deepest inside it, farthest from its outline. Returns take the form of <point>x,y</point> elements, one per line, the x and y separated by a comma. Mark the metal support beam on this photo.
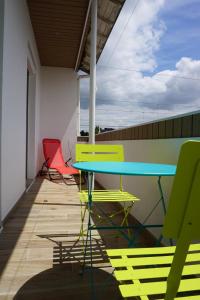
<point>102,35</point>
<point>82,38</point>
<point>105,20</point>
<point>93,38</point>
<point>117,2</point>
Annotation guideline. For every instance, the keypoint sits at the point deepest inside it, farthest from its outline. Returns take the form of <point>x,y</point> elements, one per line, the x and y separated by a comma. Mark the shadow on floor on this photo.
<point>15,222</point>
<point>69,248</point>
<point>64,282</point>
<point>64,279</point>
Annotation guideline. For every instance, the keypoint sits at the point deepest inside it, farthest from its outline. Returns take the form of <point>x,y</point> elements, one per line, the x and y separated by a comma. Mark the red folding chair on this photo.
<point>54,160</point>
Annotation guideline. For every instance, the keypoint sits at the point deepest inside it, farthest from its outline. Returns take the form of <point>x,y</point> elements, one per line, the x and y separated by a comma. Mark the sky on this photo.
<point>150,66</point>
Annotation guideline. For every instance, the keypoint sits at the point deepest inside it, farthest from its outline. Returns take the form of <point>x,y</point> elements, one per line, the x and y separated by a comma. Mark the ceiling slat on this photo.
<point>58,27</point>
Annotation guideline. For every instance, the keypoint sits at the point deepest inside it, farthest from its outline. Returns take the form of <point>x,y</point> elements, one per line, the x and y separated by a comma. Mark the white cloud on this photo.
<point>125,99</point>
<point>126,96</point>
<point>136,36</point>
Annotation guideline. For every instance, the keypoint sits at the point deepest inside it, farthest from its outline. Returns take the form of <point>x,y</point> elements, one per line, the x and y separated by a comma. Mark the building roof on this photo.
<point>59,30</point>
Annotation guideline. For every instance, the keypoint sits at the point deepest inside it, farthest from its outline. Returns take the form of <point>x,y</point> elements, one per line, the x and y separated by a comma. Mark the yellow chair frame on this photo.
<point>113,153</point>
<point>169,270</point>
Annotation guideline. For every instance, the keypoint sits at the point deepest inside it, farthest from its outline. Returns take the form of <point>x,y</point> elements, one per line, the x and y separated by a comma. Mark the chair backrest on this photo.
<point>96,152</point>
<point>182,221</point>
<point>53,152</point>
<point>183,213</point>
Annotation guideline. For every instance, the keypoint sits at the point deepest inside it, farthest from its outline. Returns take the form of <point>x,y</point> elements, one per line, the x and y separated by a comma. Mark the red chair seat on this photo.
<point>66,170</point>
<point>54,158</point>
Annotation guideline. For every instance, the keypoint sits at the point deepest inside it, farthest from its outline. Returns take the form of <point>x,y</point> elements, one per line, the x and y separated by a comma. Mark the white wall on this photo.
<point>19,47</point>
<point>1,72</point>
<point>154,151</point>
<point>59,108</point>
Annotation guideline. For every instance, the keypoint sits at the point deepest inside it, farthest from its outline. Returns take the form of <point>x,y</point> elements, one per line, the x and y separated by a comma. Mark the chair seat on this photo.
<point>108,196</point>
<point>66,170</point>
<point>147,269</point>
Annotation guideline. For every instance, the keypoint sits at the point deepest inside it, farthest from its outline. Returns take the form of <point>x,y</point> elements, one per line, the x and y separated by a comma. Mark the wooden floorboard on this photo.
<point>34,245</point>
<point>39,256</point>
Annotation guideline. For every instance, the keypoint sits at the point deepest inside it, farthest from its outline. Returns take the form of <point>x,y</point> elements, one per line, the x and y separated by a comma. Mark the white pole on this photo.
<point>79,78</point>
<point>93,43</point>
<point>78,107</point>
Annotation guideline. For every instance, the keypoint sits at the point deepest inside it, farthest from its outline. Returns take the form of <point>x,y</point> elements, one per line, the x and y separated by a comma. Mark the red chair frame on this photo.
<point>53,155</point>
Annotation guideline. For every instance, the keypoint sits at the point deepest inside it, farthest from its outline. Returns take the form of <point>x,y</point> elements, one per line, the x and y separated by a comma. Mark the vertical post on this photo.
<point>93,43</point>
<point>79,78</point>
<point>78,106</point>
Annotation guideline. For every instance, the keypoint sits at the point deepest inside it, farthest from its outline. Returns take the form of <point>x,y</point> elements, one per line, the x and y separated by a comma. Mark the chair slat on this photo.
<point>195,297</point>
<point>108,196</point>
<point>155,288</point>
<point>148,251</point>
<point>90,152</point>
<point>153,273</point>
<point>144,261</point>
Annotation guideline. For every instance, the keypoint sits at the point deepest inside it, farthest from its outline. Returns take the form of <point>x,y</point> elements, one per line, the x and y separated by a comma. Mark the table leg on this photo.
<point>162,201</point>
<point>89,236</point>
<point>90,188</point>
<point>157,203</point>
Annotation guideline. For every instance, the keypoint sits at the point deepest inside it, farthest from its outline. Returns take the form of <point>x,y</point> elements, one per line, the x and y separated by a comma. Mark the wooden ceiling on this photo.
<point>58,27</point>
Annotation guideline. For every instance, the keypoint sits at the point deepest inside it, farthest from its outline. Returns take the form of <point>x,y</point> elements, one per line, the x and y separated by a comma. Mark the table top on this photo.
<point>127,168</point>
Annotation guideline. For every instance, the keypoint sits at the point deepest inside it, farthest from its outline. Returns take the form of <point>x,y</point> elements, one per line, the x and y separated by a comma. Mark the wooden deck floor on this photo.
<point>34,258</point>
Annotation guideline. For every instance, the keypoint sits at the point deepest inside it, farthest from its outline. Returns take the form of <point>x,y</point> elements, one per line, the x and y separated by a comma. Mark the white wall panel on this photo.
<point>18,48</point>
<point>59,107</point>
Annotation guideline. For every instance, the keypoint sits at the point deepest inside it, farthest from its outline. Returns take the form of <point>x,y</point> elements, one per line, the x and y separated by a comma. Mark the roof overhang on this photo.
<point>62,30</point>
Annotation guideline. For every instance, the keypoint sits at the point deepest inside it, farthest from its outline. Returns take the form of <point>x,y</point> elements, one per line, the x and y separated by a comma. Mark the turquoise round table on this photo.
<point>130,169</point>
<point>127,168</point>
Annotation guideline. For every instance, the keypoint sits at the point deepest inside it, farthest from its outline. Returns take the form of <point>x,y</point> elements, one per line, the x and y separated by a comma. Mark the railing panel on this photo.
<point>177,127</point>
<point>157,142</point>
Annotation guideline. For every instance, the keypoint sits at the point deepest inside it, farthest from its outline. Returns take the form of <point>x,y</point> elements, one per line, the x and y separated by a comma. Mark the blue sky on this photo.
<point>143,73</point>
<point>182,36</point>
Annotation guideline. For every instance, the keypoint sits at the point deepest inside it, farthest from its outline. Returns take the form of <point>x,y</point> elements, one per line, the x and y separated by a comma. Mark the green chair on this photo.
<point>96,152</point>
<point>168,272</point>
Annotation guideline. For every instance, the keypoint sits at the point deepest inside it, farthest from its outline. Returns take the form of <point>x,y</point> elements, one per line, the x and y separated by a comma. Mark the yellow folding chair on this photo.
<point>168,272</point>
<point>91,152</point>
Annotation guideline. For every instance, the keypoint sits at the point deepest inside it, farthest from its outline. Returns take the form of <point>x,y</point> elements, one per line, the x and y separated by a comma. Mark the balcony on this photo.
<point>39,254</point>
<point>43,44</point>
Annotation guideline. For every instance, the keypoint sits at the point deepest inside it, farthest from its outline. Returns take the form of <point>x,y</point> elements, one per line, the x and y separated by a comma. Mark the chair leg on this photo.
<point>81,234</point>
<point>42,170</point>
<point>85,252</point>
<point>66,181</point>
<point>127,210</point>
<point>49,174</point>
